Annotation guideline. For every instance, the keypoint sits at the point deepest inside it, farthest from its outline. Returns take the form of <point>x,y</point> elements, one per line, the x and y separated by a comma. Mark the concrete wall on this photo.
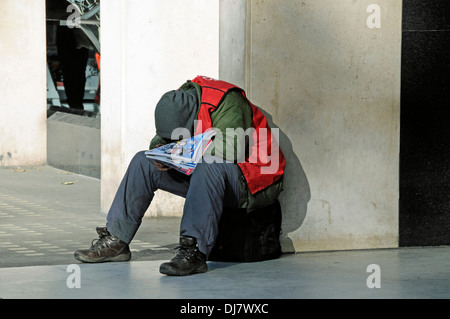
<point>148,48</point>
<point>331,84</point>
<point>22,83</point>
<point>232,41</point>
<point>73,143</point>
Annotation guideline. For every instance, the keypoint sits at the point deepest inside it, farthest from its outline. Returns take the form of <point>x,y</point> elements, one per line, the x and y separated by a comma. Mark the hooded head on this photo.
<point>176,109</point>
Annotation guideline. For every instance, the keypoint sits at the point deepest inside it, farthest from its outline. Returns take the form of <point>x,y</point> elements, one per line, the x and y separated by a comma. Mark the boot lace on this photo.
<point>101,242</point>
<point>186,253</point>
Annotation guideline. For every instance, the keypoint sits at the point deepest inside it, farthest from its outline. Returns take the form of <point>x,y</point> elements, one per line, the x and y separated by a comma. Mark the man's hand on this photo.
<point>159,166</point>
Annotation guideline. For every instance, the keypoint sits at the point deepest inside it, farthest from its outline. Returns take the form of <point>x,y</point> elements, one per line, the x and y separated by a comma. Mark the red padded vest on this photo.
<point>265,162</point>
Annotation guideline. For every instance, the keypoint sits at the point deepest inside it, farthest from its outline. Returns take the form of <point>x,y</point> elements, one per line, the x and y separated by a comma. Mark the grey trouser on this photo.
<point>210,187</point>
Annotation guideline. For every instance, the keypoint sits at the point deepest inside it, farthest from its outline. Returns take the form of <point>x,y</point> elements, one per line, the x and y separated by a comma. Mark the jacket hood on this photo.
<point>176,109</point>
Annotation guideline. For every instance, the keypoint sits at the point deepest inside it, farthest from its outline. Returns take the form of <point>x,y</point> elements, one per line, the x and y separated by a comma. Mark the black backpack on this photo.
<point>246,237</point>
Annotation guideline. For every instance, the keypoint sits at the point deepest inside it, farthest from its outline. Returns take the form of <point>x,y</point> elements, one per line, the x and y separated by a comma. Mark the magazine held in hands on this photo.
<point>183,155</point>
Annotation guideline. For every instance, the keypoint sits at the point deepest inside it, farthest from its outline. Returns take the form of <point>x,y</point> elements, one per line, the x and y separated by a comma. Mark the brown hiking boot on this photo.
<point>188,261</point>
<point>106,248</point>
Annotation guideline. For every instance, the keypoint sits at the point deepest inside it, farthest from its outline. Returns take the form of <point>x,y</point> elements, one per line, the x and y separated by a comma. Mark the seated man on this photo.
<point>246,172</point>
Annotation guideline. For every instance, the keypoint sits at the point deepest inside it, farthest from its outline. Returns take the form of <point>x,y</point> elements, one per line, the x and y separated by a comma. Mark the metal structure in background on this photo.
<point>89,22</point>
<point>86,15</point>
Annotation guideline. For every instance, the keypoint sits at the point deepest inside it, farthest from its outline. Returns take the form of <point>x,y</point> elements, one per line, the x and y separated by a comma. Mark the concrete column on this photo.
<point>232,41</point>
<point>22,83</point>
<point>148,48</point>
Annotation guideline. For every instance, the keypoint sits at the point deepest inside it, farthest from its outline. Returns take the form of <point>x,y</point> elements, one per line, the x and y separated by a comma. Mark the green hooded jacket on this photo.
<point>234,112</point>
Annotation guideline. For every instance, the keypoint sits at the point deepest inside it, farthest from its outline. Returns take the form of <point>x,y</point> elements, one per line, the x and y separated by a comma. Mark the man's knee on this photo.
<point>215,174</point>
<point>208,170</point>
<point>140,164</point>
<point>140,159</point>
<point>139,156</point>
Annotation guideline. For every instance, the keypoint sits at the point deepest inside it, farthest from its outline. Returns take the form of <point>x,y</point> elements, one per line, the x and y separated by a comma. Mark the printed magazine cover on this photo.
<point>182,155</point>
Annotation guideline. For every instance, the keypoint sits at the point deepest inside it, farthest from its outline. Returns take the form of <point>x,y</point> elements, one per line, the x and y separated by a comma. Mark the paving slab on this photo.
<point>47,213</point>
<point>403,274</point>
